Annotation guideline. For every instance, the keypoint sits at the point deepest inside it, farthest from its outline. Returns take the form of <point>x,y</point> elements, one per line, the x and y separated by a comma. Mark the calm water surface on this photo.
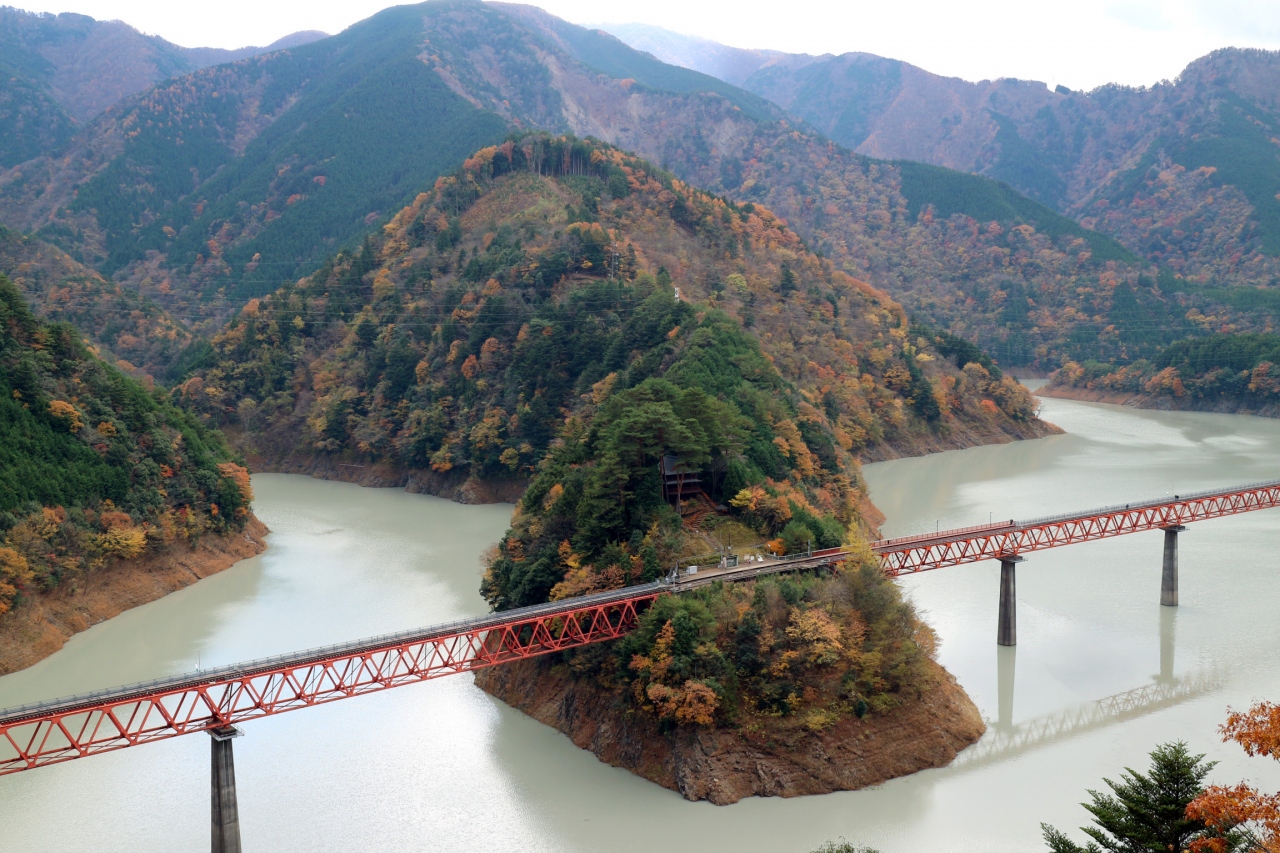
<point>1101,674</point>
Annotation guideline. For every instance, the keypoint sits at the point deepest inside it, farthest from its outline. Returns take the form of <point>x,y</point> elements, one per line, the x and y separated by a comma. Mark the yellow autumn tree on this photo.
<point>816,636</point>
<point>66,413</point>
<point>239,475</point>
<point>14,573</point>
<point>123,542</point>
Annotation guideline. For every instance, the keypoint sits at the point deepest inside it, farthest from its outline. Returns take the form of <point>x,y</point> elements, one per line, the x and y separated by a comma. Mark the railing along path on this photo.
<point>51,732</point>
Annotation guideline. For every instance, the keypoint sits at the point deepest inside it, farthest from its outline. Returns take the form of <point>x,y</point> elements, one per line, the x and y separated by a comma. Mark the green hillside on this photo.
<point>985,200</point>
<point>122,324</point>
<point>94,467</point>
<point>1237,372</point>
<point>369,124</point>
<point>31,120</point>
<point>1243,154</point>
<point>238,179</point>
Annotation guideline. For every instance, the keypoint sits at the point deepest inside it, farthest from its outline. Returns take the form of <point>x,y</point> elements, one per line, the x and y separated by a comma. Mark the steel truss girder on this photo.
<point>89,729</point>
<point>67,729</point>
<point>950,548</point>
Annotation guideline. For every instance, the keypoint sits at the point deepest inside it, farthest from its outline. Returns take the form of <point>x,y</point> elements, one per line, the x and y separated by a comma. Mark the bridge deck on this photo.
<point>62,729</point>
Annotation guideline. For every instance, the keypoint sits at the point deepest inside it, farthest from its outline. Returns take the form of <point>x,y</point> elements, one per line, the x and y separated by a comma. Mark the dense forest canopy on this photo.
<point>1240,368</point>
<point>128,330</point>
<point>92,465</point>
<point>458,339</point>
<point>561,311</point>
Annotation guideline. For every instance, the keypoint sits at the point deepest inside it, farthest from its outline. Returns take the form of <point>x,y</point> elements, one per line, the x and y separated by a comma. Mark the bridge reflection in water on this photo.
<point>1005,739</point>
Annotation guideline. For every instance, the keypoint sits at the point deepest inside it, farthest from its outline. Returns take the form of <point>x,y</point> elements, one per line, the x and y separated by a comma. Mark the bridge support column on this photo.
<point>1007,631</point>
<point>1169,577</point>
<point>226,814</point>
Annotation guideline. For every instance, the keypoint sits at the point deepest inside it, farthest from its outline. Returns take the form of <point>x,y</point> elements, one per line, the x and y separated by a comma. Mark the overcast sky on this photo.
<point>1078,43</point>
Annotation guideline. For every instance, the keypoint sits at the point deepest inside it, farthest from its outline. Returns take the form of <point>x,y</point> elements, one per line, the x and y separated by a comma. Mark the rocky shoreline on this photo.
<point>958,437</point>
<point>379,475</point>
<point>41,625</point>
<point>471,490</point>
<point>1161,402</point>
<point>723,765</point>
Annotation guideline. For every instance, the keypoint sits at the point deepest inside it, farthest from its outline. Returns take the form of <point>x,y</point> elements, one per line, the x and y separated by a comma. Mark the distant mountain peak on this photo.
<point>78,66</point>
<point>730,64</point>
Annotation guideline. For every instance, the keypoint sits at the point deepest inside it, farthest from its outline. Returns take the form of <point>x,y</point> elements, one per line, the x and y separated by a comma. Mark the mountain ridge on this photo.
<point>260,218</point>
<point>1103,157</point>
<point>290,164</point>
<point>60,71</point>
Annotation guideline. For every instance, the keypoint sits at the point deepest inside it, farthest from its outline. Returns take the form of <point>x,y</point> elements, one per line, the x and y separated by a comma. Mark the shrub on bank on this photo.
<point>801,652</point>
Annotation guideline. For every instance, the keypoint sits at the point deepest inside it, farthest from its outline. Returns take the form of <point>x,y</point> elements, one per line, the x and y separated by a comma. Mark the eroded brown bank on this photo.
<point>725,765</point>
<point>42,624</point>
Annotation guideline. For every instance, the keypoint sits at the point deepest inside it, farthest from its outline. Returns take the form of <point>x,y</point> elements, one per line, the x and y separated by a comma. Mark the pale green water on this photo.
<point>442,767</point>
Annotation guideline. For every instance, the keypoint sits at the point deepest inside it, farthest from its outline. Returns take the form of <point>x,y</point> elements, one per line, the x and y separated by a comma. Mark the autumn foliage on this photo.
<point>796,652</point>
<point>455,339</point>
<point>1238,369</point>
<point>1242,807</point>
<point>93,467</point>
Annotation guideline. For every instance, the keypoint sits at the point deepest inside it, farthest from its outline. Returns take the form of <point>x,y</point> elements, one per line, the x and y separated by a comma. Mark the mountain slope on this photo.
<point>93,468</point>
<point>457,341</point>
<point>311,145</point>
<point>248,170</point>
<point>132,332</point>
<point>1185,172</point>
<point>58,71</point>
<point>267,203</point>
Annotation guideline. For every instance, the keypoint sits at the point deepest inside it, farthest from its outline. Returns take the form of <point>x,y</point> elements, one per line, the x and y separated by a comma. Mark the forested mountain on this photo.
<point>1185,173</point>
<point>57,71</point>
<point>1219,373</point>
<point>238,177</point>
<point>227,180</point>
<point>296,154</point>
<point>131,332</point>
<point>541,275</point>
<point>93,467</point>
<point>563,311</point>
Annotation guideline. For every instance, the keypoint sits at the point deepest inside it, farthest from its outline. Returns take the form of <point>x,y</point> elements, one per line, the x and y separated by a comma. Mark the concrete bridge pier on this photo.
<point>226,814</point>
<point>1007,631</point>
<point>1169,577</point>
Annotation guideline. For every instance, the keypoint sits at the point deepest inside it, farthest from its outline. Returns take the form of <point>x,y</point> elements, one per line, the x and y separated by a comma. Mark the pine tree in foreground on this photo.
<point>1147,813</point>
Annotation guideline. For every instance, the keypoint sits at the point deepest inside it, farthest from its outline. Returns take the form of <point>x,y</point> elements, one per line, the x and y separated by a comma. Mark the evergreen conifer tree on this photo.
<point>1146,813</point>
<point>787,283</point>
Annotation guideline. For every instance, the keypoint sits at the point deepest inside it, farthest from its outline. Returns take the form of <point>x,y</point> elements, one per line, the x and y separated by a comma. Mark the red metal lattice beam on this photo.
<point>75,728</point>
<point>57,731</point>
<point>972,544</point>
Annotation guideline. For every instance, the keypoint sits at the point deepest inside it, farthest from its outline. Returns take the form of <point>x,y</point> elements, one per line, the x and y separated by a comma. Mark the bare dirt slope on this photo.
<point>726,765</point>
<point>41,625</point>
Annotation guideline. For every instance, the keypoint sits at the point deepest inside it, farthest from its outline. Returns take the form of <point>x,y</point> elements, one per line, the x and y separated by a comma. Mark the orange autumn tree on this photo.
<point>1242,806</point>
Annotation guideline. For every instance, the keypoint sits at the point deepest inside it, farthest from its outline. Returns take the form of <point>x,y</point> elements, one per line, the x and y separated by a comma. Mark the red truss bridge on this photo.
<point>992,541</point>
<point>215,700</point>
